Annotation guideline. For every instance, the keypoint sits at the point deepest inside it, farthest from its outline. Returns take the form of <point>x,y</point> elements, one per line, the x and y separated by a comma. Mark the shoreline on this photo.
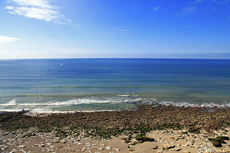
<point>210,105</point>
<point>159,123</point>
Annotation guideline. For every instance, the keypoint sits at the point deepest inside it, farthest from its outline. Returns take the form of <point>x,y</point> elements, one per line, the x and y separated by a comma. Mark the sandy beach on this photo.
<point>147,129</point>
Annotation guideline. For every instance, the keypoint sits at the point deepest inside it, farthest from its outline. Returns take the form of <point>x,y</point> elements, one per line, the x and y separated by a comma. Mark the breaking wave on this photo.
<point>118,102</point>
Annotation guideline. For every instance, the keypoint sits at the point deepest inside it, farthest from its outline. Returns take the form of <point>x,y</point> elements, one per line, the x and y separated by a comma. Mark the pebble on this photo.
<point>13,151</point>
<point>117,149</point>
<point>108,147</point>
<point>41,145</point>
<point>176,149</point>
<point>101,148</point>
<point>63,141</point>
<point>155,146</point>
<point>49,150</point>
<point>22,146</point>
<point>87,144</point>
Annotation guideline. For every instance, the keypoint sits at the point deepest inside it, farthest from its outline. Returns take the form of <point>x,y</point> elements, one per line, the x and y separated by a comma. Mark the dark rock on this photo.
<point>143,139</point>
<point>216,144</point>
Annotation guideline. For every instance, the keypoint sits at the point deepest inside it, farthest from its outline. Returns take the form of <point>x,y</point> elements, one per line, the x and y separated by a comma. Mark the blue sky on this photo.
<point>114,29</point>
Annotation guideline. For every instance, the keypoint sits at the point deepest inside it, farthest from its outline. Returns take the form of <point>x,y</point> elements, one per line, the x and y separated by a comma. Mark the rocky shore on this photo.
<point>147,129</point>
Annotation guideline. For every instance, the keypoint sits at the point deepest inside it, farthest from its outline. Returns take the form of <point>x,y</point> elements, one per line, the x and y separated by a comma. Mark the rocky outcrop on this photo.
<point>104,124</point>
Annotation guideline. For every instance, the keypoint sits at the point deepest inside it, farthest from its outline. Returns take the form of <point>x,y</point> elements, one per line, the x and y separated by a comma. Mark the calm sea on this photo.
<point>111,84</point>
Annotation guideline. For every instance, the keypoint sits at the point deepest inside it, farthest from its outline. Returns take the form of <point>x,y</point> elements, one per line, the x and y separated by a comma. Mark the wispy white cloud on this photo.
<point>9,7</point>
<point>156,8</point>
<point>118,31</point>
<point>4,39</point>
<point>38,3</point>
<point>188,10</point>
<point>198,1</point>
<point>196,6</point>
<point>213,1</point>
<point>223,2</point>
<point>76,25</point>
<point>37,9</point>
<point>220,1</point>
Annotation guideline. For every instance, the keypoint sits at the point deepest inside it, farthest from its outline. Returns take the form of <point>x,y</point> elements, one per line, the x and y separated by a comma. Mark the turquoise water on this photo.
<point>111,84</point>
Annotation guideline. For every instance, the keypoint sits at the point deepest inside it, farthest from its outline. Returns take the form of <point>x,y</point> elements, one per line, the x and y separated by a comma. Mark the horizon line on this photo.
<point>119,58</point>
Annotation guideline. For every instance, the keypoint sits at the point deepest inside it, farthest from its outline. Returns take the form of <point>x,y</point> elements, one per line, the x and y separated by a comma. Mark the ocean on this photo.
<point>68,85</point>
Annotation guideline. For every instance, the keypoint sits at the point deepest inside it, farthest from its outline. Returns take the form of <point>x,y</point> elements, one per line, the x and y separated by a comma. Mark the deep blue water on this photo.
<point>108,84</point>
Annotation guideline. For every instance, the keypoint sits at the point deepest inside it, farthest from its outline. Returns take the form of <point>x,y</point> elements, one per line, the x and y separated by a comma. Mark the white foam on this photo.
<point>41,111</point>
<point>123,95</point>
<point>12,110</point>
<point>187,104</point>
<point>10,103</point>
<point>67,103</point>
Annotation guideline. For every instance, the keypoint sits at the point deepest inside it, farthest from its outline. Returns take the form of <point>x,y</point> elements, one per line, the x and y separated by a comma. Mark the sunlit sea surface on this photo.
<point>61,85</point>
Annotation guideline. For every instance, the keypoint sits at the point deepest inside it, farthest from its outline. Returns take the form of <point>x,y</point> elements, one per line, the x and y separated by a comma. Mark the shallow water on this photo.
<point>111,84</point>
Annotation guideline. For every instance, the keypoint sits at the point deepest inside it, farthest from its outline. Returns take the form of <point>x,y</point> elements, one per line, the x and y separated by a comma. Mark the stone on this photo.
<point>184,131</point>
<point>63,141</point>
<point>134,142</point>
<point>41,145</point>
<point>130,149</point>
<point>143,139</point>
<point>117,149</point>
<point>185,145</point>
<point>108,147</point>
<point>176,149</point>
<point>155,146</point>
<point>22,146</point>
<point>13,151</point>
<point>101,148</point>
<point>216,143</point>
<point>134,135</point>
<point>167,146</point>
<point>83,149</point>
<point>164,147</point>
<point>50,150</point>
<point>87,144</point>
